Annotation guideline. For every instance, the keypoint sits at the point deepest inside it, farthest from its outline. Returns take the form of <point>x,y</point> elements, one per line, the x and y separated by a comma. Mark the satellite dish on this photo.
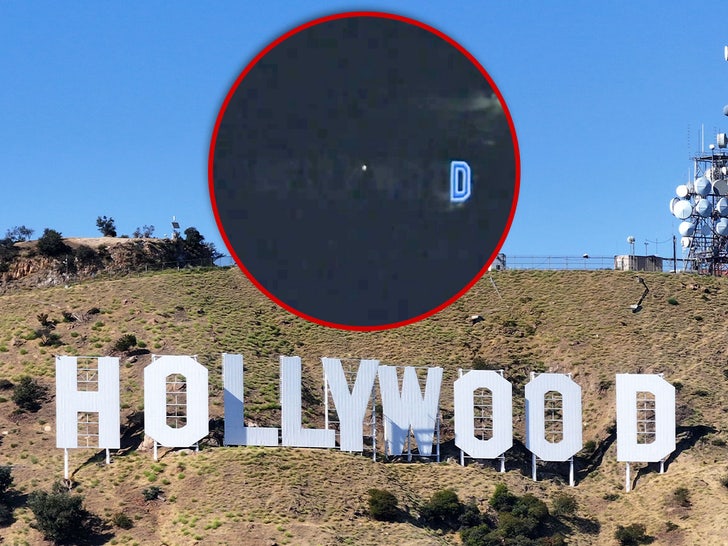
<point>631,239</point>
<point>725,53</point>
<point>682,191</point>
<point>685,241</point>
<point>703,186</point>
<point>703,208</point>
<point>682,209</point>
<point>720,186</point>
<point>721,226</point>
<point>721,206</point>
<point>725,110</point>
<point>672,205</point>
<point>686,229</point>
<point>722,140</point>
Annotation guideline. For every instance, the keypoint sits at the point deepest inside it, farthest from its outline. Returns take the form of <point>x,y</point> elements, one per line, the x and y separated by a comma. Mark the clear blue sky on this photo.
<point>107,109</point>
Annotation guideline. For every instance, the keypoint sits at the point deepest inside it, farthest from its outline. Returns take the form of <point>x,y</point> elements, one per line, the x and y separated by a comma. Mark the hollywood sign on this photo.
<point>406,410</point>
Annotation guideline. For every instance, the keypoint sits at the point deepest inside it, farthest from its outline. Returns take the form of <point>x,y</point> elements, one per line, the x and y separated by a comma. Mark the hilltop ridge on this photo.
<point>576,322</point>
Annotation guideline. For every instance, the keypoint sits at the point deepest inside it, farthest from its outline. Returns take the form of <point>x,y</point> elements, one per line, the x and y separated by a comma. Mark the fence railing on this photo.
<point>592,263</point>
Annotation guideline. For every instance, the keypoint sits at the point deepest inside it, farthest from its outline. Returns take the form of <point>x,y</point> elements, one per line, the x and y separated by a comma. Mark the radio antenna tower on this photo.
<point>702,205</point>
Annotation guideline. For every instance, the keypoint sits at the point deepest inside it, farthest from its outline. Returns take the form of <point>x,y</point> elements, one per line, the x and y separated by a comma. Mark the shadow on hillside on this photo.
<point>686,437</point>
<point>131,438</point>
<point>133,434</point>
<point>587,465</point>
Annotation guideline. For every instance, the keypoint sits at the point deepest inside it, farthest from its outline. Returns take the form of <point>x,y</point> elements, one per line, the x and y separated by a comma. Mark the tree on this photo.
<point>443,508</point>
<point>6,479</point>
<point>28,394</point>
<point>8,252</point>
<point>106,226</point>
<point>125,342</point>
<point>59,515</point>
<point>51,243</point>
<point>143,232</point>
<point>193,237</point>
<point>19,234</point>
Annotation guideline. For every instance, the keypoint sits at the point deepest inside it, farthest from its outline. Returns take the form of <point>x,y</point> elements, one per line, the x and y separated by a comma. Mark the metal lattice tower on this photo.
<point>702,205</point>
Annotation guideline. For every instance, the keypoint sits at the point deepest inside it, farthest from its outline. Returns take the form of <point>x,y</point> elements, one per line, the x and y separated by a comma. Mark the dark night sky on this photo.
<point>346,245</point>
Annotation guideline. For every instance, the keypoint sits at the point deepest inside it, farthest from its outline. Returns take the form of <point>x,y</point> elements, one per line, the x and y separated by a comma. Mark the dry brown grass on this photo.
<point>575,322</point>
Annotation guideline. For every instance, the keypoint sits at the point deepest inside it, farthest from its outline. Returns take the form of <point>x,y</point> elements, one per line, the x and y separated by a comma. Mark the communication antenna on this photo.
<point>630,240</point>
<point>702,207</point>
<point>175,228</point>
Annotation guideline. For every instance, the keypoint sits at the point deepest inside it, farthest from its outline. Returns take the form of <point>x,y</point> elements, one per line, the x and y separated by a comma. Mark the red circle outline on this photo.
<point>234,88</point>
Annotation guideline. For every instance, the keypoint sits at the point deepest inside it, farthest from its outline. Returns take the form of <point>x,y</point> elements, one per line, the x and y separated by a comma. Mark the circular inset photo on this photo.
<point>364,171</point>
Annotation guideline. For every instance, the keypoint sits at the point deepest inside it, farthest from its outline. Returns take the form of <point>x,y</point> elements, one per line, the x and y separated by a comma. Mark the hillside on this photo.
<point>576,322</point>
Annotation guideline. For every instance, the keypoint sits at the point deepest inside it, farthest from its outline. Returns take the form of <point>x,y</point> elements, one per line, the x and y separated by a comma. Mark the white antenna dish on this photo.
<point>631,240</point>
<point>722,140</point>
<point>720,186</point>
<point>682,209</point>
<point>686,229</point>
<point>703,208</point>
<point>725,53</point>
<point>721,207</point>
<point>682,191</point>
<point>672,204</point>
<point>702,186</point>
<point>685,241</point>
<point>721,226</point>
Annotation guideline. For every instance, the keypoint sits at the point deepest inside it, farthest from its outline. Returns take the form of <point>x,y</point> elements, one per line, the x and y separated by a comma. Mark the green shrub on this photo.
<point>443,508</point>
<point>682,497</point>
<point>152,493</point>
<point>6,384</point>
<point>86,255</point>
<point>122,521</point>
<point>502,499</point>
<point>482,535</point>
<point>590,446</point>
<point>59,516</point>
<point>531,508</point>
<point>125,342</point>
<point>28,394</point>
<point>672,301</point>
<point>471,516</point>
<point>564,504</point>
<point>382,505</point>
<point>632,535</point>
<point>513,527</point>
